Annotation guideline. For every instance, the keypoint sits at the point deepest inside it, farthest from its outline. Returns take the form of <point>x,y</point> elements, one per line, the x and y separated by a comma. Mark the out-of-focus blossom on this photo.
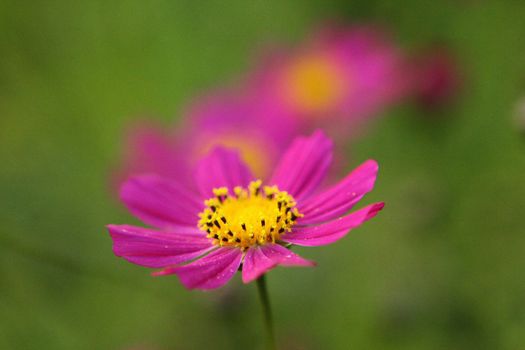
<point>334,79</point>
<point>237,120</point>
<point>437,78</point>
<point>338,75</point>
<point>204,237</point>
<point>227,119</point>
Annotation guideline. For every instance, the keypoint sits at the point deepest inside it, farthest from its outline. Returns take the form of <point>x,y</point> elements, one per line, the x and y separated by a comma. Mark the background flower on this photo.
<point>227,118</point>
<point>438,78</point>
<point>335,78</point>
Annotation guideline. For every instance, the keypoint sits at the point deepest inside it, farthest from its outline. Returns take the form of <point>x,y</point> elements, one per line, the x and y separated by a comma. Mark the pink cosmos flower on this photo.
<point>235,119</point>
<point>234,220</point>
<point>339,74</point>
<point>226,119</point>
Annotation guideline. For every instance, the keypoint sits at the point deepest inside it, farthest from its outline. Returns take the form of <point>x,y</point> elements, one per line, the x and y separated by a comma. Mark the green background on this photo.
<point>440,268</point>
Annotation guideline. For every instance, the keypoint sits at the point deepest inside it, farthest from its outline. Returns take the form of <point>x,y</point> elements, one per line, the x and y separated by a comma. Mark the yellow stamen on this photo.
<point>253,216</point>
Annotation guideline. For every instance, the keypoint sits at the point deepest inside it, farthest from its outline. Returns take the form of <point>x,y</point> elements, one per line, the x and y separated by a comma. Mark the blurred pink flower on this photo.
<point>438,78</point>
<point>227,119</point>
<point>234,220</point>
<point>337,77</point>
<point>237,120</point>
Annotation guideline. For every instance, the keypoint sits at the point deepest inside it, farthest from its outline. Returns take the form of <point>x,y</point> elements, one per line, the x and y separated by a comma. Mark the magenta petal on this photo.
<point>304,165</point>
<point>340,198</point>
<point>332,231</point>
<point>212,271</point>
<point>150,148</point>
<point>222,167</point>
<point>160,202</point>
<point>260,259</point>
<point>156,249</point>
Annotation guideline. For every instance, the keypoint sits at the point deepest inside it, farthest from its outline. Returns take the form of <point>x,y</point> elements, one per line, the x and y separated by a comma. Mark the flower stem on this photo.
<point>267,312</point>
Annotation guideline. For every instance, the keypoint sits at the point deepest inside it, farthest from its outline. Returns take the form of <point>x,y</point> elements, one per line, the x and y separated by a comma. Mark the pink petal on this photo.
<point>156,249</point>
<point>304,165</point>
<point>260,259</point>
<point>332,231</point>
<point>212,271</point>
<point>160,202</point>
<point>340,198</point>
<point>222,167</point>
<point>150,148</point>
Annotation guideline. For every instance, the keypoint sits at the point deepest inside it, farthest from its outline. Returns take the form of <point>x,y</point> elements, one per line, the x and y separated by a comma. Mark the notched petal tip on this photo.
<point>375,209</point>
<point>372,163</point>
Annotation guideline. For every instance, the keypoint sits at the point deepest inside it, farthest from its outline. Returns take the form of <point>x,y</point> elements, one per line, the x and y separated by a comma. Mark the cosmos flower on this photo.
<point>222,119</point>
<point>338,75</point>
<point>235,220</point>
<point>234,119</point>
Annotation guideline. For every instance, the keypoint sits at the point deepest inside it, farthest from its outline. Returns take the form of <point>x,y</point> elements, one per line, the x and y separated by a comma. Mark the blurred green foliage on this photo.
<point>440,268</point>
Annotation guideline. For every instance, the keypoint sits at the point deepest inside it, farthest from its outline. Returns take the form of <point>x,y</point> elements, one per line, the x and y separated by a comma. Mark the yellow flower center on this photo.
<point>313,84</point>
<point>253,216</point>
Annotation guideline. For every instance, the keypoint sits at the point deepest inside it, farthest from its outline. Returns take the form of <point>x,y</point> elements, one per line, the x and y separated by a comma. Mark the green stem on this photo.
<point>267,312</point>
